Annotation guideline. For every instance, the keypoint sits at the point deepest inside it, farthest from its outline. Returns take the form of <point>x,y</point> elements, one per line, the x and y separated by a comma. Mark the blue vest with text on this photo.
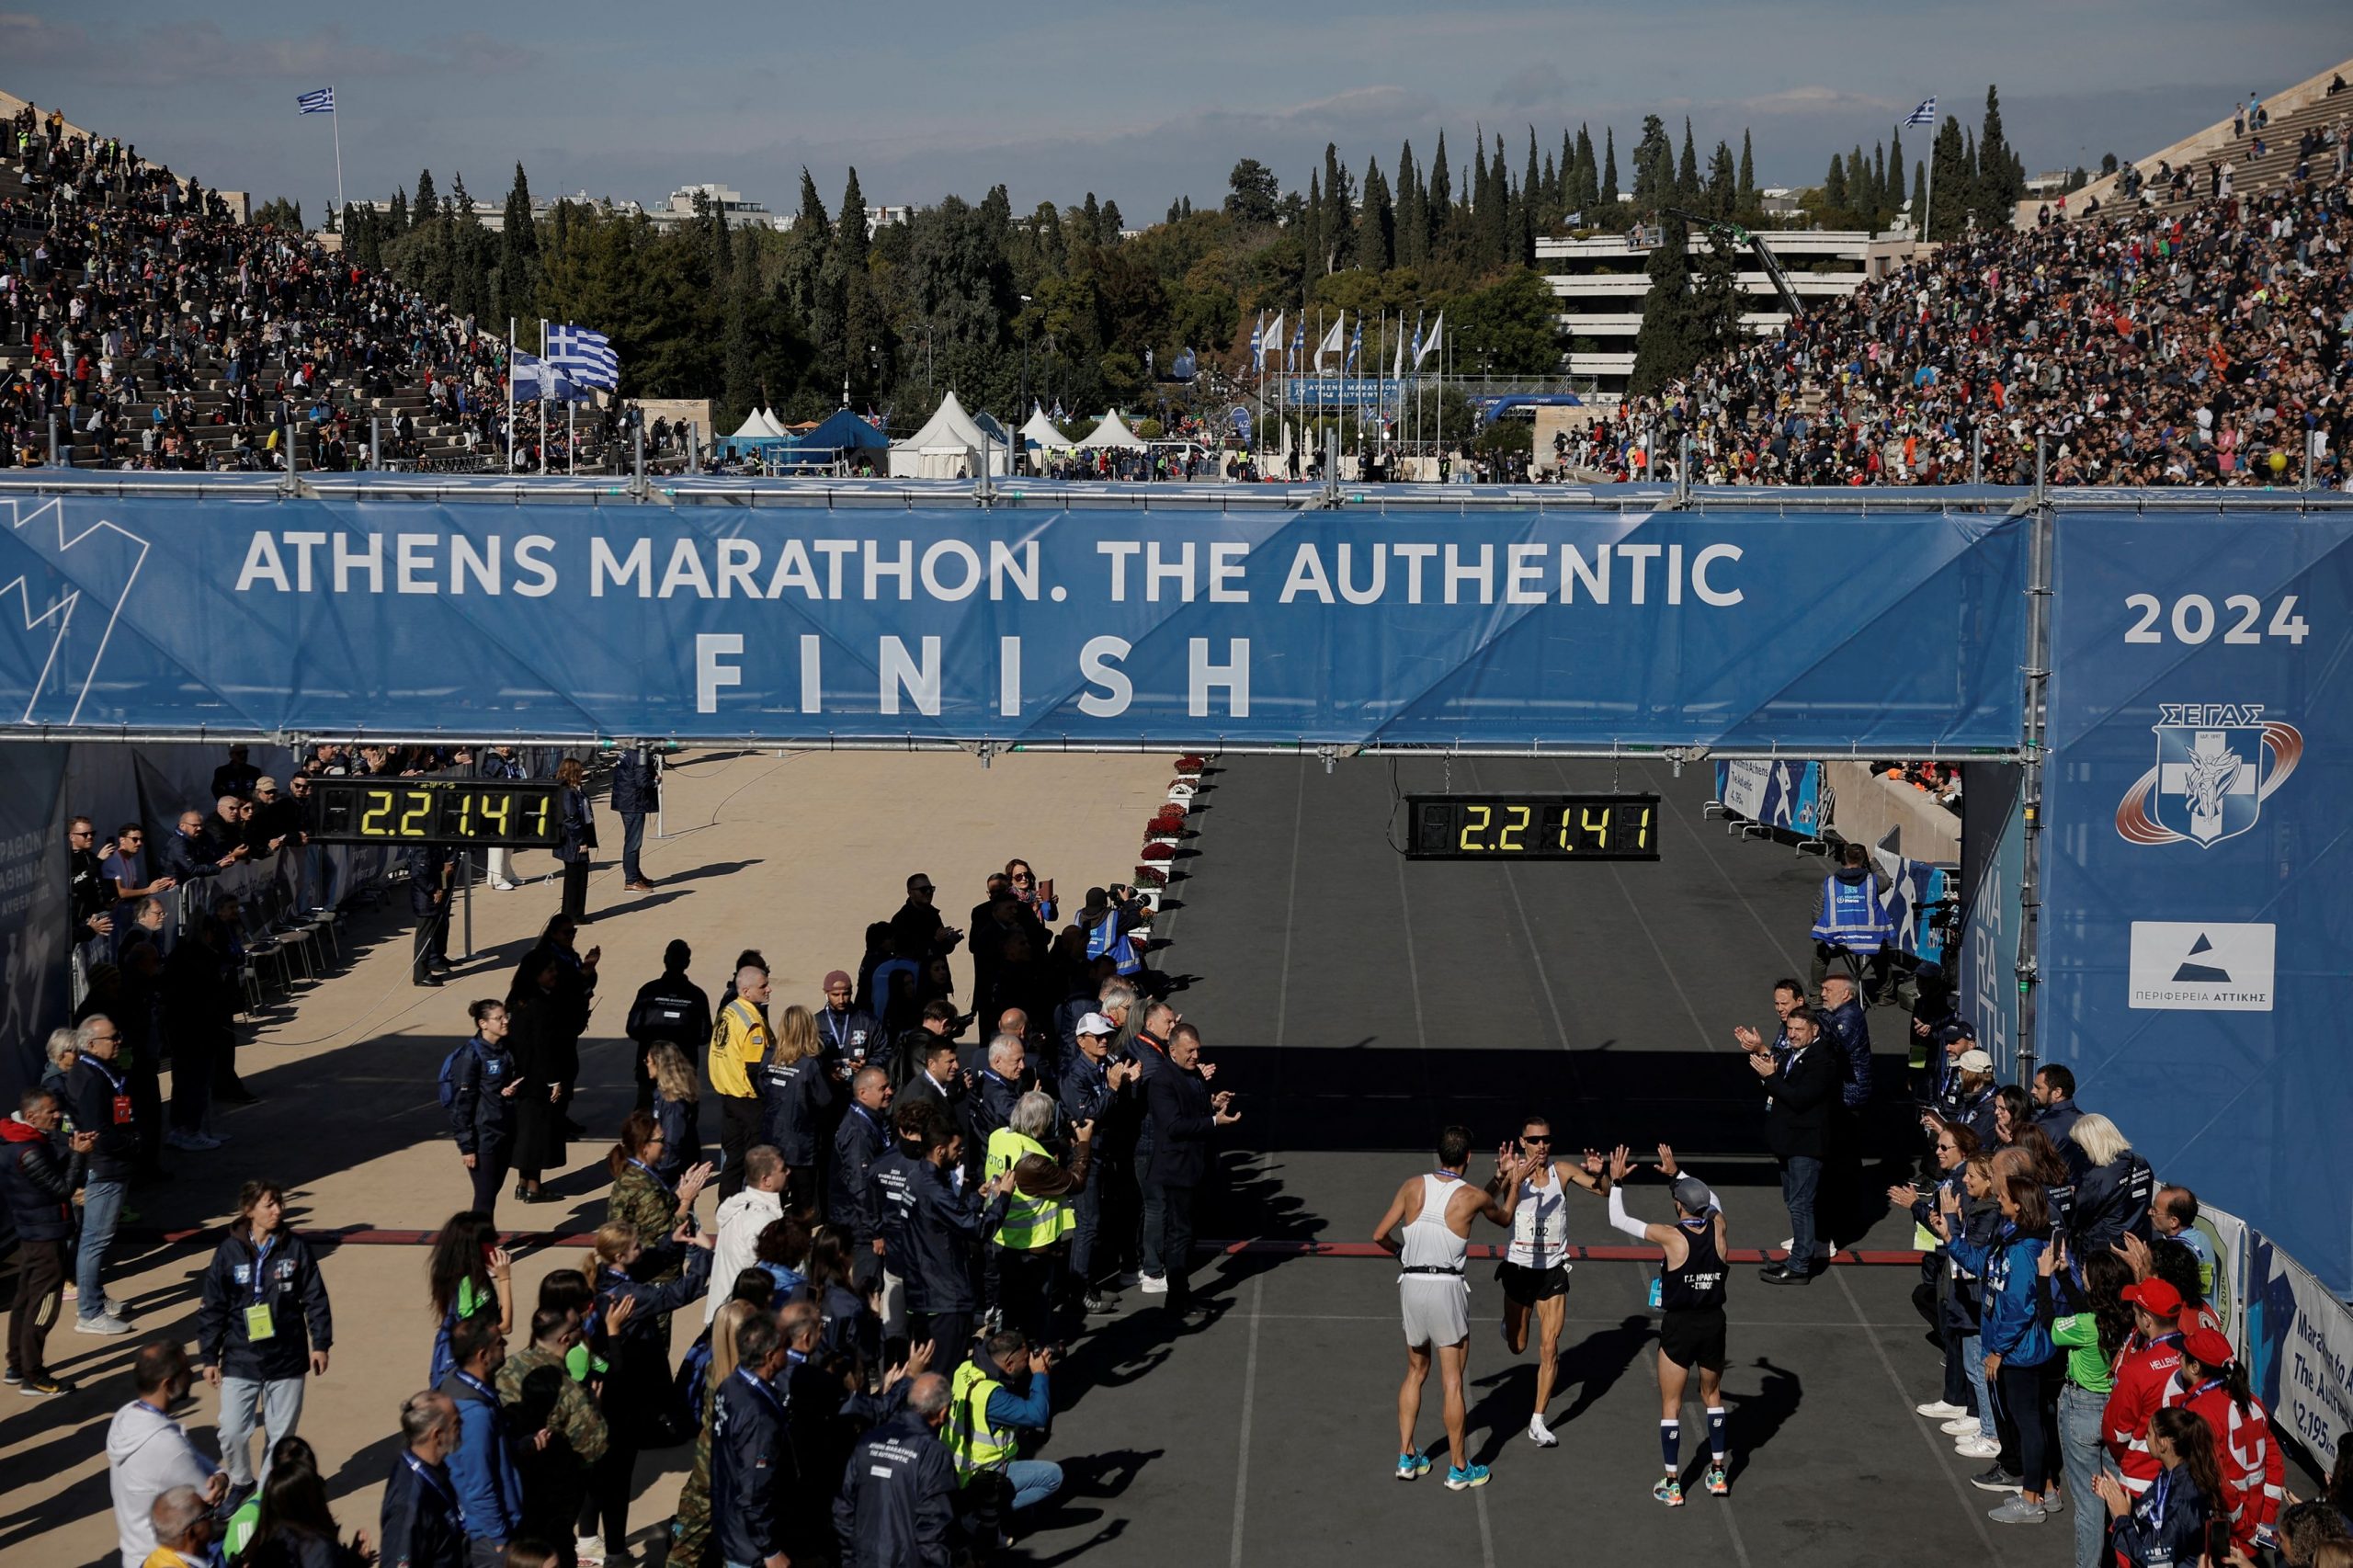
<point>1852,917</point>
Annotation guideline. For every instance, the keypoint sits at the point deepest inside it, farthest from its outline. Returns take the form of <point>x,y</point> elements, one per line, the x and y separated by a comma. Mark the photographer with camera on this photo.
<point>997,1394</point>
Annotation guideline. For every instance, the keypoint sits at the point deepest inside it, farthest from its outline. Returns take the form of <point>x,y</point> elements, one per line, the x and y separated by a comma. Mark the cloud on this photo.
<point>35,40</point>
<point>1814,100</point>
<point>1533,86</point>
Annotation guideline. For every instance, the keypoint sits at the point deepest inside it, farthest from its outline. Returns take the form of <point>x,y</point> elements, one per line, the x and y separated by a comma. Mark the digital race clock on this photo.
<point>484,812</point>
<point>1531,827</point>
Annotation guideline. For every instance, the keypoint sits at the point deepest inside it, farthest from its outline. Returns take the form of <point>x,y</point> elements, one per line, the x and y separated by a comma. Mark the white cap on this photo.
<point>1096,1023</point>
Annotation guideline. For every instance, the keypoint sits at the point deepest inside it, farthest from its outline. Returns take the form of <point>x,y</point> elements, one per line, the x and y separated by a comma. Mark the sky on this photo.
<point>1137,104</point>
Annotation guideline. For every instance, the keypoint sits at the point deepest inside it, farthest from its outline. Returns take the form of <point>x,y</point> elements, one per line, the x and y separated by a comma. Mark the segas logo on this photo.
<point>2217,763</point>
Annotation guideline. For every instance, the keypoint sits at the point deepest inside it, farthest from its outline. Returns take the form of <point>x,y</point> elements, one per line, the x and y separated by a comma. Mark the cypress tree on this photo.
<point>1409,250</point>
<point>1588,189</point>
<point>1894,189</point>
<point>1686,174</point>
<point>1664,349</point>
<point>1834,186</point>
<point>1311,237</point>
<point>1722,185</point>
<point>1339,210</point>
<point>849,236</point>
<point>1745,188</point>
<point>1533,200</point>
<point>425,206</point>
<point>518,262</point>
<point>398,224</point>
<point>1375,222</point>
<point>1437,209</point>
<point>813,221</point>
<point>1609,166</point>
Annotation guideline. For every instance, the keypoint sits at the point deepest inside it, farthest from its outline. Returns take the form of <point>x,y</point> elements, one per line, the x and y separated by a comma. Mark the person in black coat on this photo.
<point>942,1229</point>
<point>1803,1084</point>
<point>430,867</point>
<point>669,1008</point>
<point>486,1084</point>
<point>38,1197</point>
<point>863,1138</point>
<point>262,1326</point>
<point>578,821</point>
<point>420,1525</point>
<point>898,1500</point>
<point>636,795</point>
<point>547,1055</point>
<point>199,1012</point>
<point>752,1474</point>
<point>1183,1113</point>
<point>632,1335</point>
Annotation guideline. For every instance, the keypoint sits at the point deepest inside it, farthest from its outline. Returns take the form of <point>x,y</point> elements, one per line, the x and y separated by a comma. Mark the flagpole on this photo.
<point>544,378</point>
<point>510,397</point>
<point>336,117</point>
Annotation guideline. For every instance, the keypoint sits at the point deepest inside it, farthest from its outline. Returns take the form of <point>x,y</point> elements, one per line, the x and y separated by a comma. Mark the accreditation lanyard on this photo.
<point>650,1171</point>
<point>261,1323</point>
<point>836,1027</point>
<point>759,1385</point>
<point>441,1488</point>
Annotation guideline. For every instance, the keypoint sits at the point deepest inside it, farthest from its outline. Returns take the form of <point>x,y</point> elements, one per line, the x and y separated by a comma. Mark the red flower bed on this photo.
<point>1160,852</point>
<point>1151,877</point>
<point>1190,764</point>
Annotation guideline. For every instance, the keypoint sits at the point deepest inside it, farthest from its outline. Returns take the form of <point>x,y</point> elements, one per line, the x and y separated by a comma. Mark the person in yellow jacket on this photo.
<point>740,1042</point>
<point>1032,1247</point>
<point>989,1406</point>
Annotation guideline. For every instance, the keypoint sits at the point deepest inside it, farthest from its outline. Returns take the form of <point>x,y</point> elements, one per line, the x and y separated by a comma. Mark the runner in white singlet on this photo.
<point>1436,1211</point>
<point>1535,1270</point>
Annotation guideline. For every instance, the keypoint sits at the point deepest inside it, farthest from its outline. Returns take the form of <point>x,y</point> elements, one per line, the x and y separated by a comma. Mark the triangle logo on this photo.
<point>2213,974</point>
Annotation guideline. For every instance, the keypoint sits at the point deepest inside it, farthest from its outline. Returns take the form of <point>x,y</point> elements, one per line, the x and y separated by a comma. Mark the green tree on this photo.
<point>1310,234</point>
<point>1437,209</point>
<point>1667,347</point>
<point>1834,186</point>
<point>427,206</point>
<point>1952,175</point>
<point>519,251</point>
<point>1412,247</point>
<point>1252,191</point>
<point>1608,167</point>
<point>1744,198</point>
<point>1375,222</point>
<point>279,214</point>
<point>2001,177</point>
<point>1686,174</point>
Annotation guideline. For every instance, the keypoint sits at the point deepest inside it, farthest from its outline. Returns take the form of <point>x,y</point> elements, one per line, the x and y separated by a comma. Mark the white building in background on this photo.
<point>1601,287</point>
<point>741,214</point>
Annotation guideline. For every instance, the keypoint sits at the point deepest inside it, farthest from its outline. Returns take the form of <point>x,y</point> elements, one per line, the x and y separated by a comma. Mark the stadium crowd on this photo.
<point>125,291</point>
<point>2211,346</point>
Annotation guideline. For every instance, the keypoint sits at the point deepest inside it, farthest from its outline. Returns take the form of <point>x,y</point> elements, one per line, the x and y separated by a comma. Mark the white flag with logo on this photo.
<point>1330,344</point>
<point>1431,345</point>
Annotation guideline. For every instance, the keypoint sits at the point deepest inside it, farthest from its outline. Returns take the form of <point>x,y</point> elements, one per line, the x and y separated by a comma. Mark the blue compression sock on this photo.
<point>1716,1432</point>
<point>1670,1444</point>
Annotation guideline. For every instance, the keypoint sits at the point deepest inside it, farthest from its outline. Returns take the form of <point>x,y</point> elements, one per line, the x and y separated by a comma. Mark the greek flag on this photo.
<point>1299,340</point>
<point>584,355</point>
<point>1356,346</point>
<point>536,380</point>
<point>320,102</point>
<point>1925,115</point>
<point>1417,340</point>
<point>1258,343</point>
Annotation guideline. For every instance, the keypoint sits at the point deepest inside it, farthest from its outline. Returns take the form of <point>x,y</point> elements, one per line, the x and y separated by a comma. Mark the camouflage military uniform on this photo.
<point>535,1392</point>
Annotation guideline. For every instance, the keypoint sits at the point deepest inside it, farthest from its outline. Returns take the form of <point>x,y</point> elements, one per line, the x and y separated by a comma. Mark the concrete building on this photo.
<point>1601,287</point>
<point>741,214</point>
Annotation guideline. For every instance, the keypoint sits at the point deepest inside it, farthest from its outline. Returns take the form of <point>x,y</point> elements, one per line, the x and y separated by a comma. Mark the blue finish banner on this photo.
<point>1174,626</point>
<point>2198,960</point>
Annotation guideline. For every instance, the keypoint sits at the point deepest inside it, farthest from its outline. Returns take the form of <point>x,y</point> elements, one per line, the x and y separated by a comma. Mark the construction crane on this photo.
<point>1718,229</point>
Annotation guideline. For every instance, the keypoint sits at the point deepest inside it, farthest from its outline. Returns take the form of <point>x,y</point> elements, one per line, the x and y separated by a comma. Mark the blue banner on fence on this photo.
<point>1779,793</point>
<point>2300,1350</point>
<point>2198,962</point>
<point>1181,626</point>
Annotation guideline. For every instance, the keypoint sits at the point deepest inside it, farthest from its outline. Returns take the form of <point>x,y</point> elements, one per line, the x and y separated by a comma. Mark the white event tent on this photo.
<point>949,444</point>
<point>1114,432</point>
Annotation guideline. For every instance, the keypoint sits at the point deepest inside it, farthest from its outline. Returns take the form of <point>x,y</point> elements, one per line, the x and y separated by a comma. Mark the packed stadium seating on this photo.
<point>92,239</point>
<point>2206,341</point>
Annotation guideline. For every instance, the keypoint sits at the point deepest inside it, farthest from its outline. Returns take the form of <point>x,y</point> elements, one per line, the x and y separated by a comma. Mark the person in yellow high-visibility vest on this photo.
<point>740,1042</point>
<point>988,1409</point>
<point>1033,1245</point>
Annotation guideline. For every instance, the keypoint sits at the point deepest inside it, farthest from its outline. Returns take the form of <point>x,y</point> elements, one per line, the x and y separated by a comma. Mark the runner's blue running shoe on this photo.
<point>1465,1478</point>
<point>1412,1467</point>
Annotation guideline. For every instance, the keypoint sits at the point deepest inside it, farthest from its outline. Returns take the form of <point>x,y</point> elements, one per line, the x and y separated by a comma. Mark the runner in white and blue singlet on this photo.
<point>1535,1270</point>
